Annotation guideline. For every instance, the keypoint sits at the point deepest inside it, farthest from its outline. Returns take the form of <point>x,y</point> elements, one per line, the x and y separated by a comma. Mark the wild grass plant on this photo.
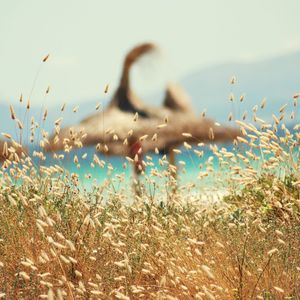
<point>59,241</point>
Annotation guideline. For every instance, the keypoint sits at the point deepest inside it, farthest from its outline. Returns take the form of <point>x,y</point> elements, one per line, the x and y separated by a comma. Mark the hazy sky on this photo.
<point>87,40</point>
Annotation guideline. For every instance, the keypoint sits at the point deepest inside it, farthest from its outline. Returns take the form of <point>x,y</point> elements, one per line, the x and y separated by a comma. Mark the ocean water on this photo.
<point>188,163</point>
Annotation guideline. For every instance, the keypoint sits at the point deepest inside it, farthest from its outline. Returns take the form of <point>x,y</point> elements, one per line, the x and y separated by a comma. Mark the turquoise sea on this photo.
<point>188,163</point>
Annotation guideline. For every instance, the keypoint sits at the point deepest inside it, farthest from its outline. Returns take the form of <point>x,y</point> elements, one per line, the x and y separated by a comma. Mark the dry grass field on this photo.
<point>60,242</point>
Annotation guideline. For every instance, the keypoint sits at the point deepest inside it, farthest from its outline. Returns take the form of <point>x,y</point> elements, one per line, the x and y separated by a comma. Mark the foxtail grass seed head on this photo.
<point>263,103</point>
<point>295,102</point>
<point>296,96</point>
<point>272,251</point>
<point>63,107</point>
<point>160,126</point>
<point>143,138</point>
<point>187,145</point>
<point>187,134</point>
<point>276,120</point>
<point>282,108</point>
<point>46,58</point>
<point>154,137</point>
<point>207,271</point>
<point>211,134</point>
<point>12,112</point>
<point>45,115</point>
<point>20,124</point>
<point>232,80</point>
<point>5,150</point>
<point>135,117</point>
<point>278,289</point>
<point>58,121</point>
<point>6,135</point>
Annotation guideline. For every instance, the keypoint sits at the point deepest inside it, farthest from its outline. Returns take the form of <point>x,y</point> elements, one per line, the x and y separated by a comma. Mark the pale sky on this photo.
<point>87,40</point>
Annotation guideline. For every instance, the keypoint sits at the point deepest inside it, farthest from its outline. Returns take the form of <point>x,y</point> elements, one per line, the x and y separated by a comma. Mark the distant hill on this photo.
<point>277,79</point>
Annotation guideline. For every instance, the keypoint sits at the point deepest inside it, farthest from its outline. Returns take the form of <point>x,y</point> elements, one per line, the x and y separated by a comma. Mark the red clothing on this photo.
<point>136,151</point>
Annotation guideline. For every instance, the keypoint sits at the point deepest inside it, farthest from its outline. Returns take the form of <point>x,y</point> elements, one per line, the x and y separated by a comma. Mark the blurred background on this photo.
<point>203,44</point>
